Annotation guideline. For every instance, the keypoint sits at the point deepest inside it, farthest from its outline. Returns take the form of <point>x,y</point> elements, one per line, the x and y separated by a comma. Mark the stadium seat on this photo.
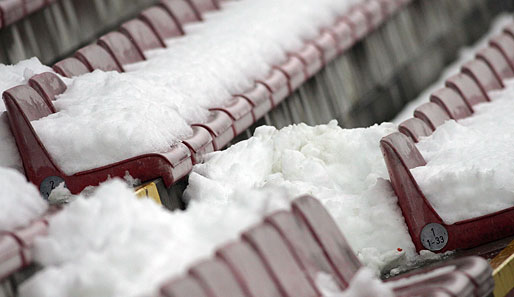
<point>277,84</point>
<point>183,287</point>
<point>240,111</point>
<point>358,22</point>
<point>182,11</point>
<point>343,34</point>
<point>312,57</point>
<point>162,23</point>
<point>327,45</point>
<point>452,103</point>
<point>483,75</point>
<point>415,129</point>
<point>200,143</point>
<point>295,71</point>
<point>424,224</point>
<point>328,236</point>
<point>203,6</point>
<point>432,114</point>
<point>70,67</point>
<point>121,48</point>
<point>281,264</point>
<point>497,62</point>
<point>509,29</point>
<point>258,97</point>
<point>96,57</point>
<point>31,6</point>
<point>219,125</point>
<point>374,13</point>
<point>142,35</point>
<point>10,12</point>
<point>48,85</point>
<point>467,88</point>
<point>303,245</point>
<point>216,278</point>
<point>505,43</point>
<point>452,283</point>
<point>249,270</point>
<point>24,105</point>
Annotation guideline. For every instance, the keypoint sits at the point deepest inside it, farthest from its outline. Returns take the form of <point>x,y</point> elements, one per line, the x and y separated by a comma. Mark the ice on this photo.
<point>343,168</point>
<point>20,202</point>
<point>104,118</point>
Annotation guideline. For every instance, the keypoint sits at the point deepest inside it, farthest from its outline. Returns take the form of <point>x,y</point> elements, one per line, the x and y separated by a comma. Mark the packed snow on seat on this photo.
<point>343,168</point>
<point>114,244</point>
<point>470,165</point>
<point>104,118</point>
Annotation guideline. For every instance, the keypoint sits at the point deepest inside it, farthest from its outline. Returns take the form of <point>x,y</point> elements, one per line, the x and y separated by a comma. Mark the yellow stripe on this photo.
<point>503,271</point>
<point>149,190</point>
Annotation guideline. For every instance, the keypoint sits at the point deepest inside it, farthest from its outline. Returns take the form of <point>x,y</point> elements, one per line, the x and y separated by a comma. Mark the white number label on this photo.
<point>434,237</point>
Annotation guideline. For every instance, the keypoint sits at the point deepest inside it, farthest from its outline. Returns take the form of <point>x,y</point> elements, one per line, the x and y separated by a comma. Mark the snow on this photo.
<point>106,117</point>
<point>469,169</point>
<point>363,284</point>
<point>113,244</point>
<point>343,168</point>
<point>20,203</point>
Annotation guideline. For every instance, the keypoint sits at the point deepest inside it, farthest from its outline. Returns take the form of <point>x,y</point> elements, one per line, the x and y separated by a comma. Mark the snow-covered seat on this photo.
<point>509,29</point>
<point>505,44</point>
<point>448,284</point>
<point>141,34</point>
<point>163,24</point>
<point>415,128</point>
<point>184,287</point>
<point>70,67</point>
<point>48,85</point>
<point>432,114</point>
<point>277,84</point>
<point>327,44</point>
<point>497,62</point>
<point>295,71</point>
<point>219,125</point>
<point>182,11</point>
<point>312,57</point>
<point>451,102</point>
<point>216,278</point>
<point>358,22</point>
<point>374,13</point>
<point>401,155</point>
<point>467,88</point>
<point>240,112</point>
<point>24,105</point>
<point>10,12</point>
<point>205,5</point>
<point>343,34</point>
<point>483,75</point>
<point>200,143</point>
<point>121,48</point>
<point>279,261</point>
<point>31,6</point>
<point>96,57</point>
<point>258,97</point>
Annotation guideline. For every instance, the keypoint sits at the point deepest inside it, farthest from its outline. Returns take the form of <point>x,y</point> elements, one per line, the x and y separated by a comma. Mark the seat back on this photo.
<point>467,88</point>
<point>163,24</point>
<point>30,104</point>
<point>452,103</point>
<point>48,85</point>
<point>483,75</point>
<point>302,244</point>
<point>505,44</point>
<point>249,270</point>
<point>141,35</point>
<point>10,12</point>
<point>497,62</point>
<point>182,11</point>
<point>328,236</point>
<point>183,287</point>
<point>279,260</point>
<point>121,48</point>
<point>70,67</point>
<point>415,129</point>
<point>432,114</point>
<point>96,57</point>
<point>205,5</point>
<point>216,278</point>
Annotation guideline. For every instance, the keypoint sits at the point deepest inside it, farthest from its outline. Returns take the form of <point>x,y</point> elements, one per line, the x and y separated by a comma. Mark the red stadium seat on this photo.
<point>31,6</point>
<point>48,85</point>
<point>358,22</point>
<point>302,244</point>
<point>182,11</point>
<point>216,279</point>
<point>453,104</point>
<point>162,23</point>
<point>183,287</point>
<point>505,44</point>
<point>467,88</point>
<point>423,222</point>
<point>70,67</point>
<point>432,114</point>
<point>312,57</point>
<point>249,270</point>
<point>328,236</point>
<point>497,62</point>
<point>343,34</point>
<point>219,126</point>
<point>96,57</point>
<point>280,262</point>
<point>374,13</point>
<point>203,6</point>
<point>277,84</point>
<point>294,70</point>
<point>142,35</point>
<point>240,111</point>
<point>10,12</point>
<point>199,144</point>
<point>121,48</point>
<point>483,75</point>
<point>415,129</point>
<point>258,97</point>
<point>327,45</point>
<point>24,105</point>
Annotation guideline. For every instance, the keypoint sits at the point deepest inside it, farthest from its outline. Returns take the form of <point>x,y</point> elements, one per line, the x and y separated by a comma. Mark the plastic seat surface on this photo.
<point>505,43</point>
<point>162,23</point>
<point>216,278</point>
<point>328,236</point>
<point>31,6</point>
<point>200,143</point>
<point>343,33</point>
<point>205,5</point>
<point>10,12</point>
<point>415,129</point>
<point>48,85</point>
<point>467,88</point>
<point>312,58</point>
<point>327,45</point>
<point>278,259</point>
<point>483,75</point>
<point>70,67</point>
<point>452,103</point>
<point>497,62</point>
<point>452,282</point>
<point>142,35</point>
<point>183,287</point>
<point>240,111</point>
<point>277,84</point>
<point>295,72</point>
<point>374,13</point>
<point>358,23</point>
<point>258,97</point>
<point>96,57</point>
<point>219,125</point>
<point>249,270</point>
<point>121,48</point>
<point>182,11</point>
<point>432,114</point>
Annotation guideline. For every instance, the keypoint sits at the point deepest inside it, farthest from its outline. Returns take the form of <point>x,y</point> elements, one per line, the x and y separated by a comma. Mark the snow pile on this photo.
<point>344,168</point>
<point>104,118</point>
<point>20,202</point>
<point>470,165</point>
<point>113,244</point>
<point>363,284</point>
